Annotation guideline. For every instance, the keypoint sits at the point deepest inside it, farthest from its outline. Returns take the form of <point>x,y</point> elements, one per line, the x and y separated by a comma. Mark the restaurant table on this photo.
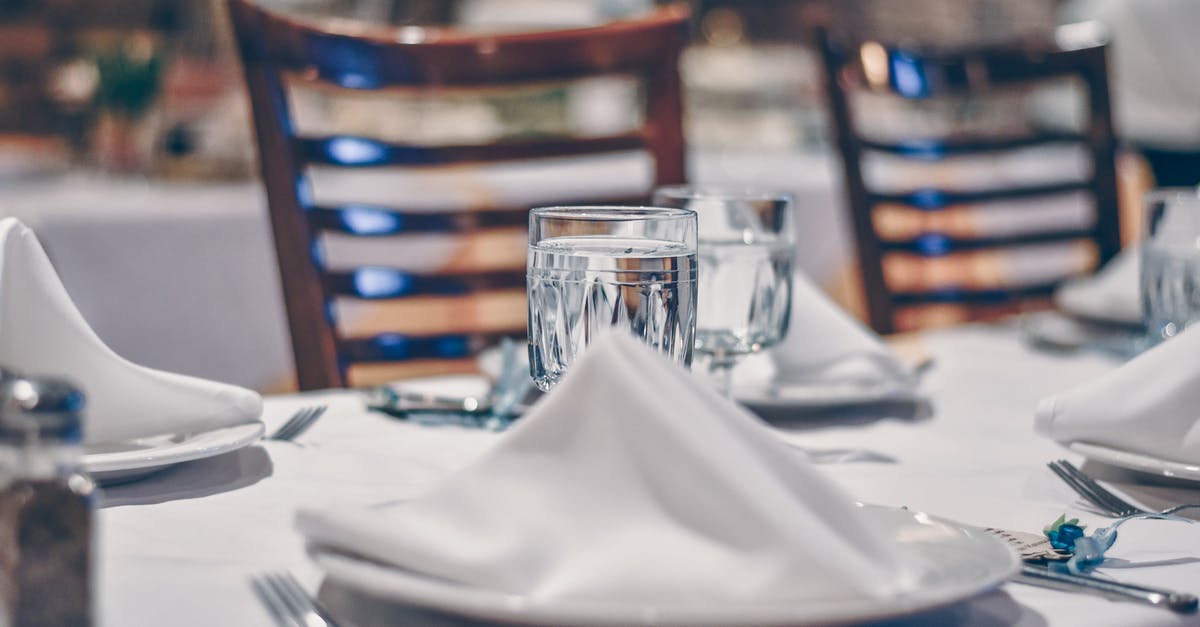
<point>181,275</point>
<point>178,548</point>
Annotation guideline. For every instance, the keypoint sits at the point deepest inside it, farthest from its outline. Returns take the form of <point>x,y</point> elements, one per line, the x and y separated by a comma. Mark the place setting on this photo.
<point>1141,296</point>
<point>632,488</point>
<point>137,420</point>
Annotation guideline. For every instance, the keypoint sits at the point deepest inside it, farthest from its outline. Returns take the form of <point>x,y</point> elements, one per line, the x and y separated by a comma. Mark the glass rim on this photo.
<point>719,192</point>
<point>611,213</point>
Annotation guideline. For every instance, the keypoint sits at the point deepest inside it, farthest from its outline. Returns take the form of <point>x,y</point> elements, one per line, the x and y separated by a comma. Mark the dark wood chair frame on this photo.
<point>275,47</point>
<point>957,72</point>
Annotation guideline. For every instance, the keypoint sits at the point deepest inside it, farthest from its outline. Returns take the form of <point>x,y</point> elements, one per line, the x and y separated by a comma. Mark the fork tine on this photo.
<point>297,608</point>
<point>283,430</point>
<point>275,606</point>
<point>299,423</point>
<point>1081,489</point>
<point>1121,507</point>
<point>1089,488</point>
<point>294,424</point>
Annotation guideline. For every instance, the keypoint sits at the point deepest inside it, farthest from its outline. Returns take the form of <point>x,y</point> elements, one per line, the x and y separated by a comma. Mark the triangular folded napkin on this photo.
<point>42,333</point>
<point>630,482</point>
<point>1149,405</point>
<point>824,343</point>
<point>1109,295</point>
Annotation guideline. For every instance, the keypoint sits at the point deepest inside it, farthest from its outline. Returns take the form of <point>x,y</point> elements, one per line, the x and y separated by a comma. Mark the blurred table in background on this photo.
<point>182,276</point>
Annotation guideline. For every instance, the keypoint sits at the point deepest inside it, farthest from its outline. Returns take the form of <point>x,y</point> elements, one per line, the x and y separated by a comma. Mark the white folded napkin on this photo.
<point>1149,405</point>
<point>1111,294</point>
<point>630,482</point>
<point>823,343</point>
<point>42,333</point>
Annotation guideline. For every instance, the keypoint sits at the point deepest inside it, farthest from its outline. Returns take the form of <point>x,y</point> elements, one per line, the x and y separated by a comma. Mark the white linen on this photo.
<point>824,343</point>
<point>41,332</point>
<point>1111,294</point>
<point>1149,405</point>
<point>176,541</point>
<point>631,481</point>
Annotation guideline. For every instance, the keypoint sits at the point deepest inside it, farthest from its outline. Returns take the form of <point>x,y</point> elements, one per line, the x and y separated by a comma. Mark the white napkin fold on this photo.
<point>1111,294</point>
<point>824,343</point>
<point>42,333</point>
<point>630,482</point>
<point>1149,405</point>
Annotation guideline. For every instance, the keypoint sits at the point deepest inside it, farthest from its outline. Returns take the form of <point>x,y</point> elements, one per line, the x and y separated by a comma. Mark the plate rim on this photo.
<point>1138,461</point>
<point>228,438</point>
<point>457,599</point>
<point>897,390</point>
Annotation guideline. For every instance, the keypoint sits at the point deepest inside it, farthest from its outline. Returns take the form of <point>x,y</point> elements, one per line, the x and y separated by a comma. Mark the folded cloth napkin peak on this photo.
<point>631,481</point>
<point>42,333</point>
<point>1150,404</point>
<point>823,343</point>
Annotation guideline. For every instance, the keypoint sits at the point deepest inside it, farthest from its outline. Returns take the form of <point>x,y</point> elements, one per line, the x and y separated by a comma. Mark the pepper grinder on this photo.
<point>46,505</point>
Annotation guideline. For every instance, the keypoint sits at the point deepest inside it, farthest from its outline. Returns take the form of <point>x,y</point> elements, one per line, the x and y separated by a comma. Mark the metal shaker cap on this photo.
<point>41,407</point>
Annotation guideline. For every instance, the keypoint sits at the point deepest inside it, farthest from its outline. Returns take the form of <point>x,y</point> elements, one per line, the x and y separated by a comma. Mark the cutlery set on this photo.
<point>1051,575</point>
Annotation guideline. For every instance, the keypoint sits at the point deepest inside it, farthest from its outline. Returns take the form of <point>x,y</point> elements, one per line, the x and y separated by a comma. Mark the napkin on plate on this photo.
<point>1110,295</point>
<point>630,482</point>
<point>823,343</point>
<point>1149,405</point>
<point>42,333</point>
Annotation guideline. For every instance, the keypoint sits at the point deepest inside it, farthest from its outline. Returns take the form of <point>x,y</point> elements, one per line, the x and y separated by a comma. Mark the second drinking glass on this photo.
<point>746,249</point>
<point>593,268</point>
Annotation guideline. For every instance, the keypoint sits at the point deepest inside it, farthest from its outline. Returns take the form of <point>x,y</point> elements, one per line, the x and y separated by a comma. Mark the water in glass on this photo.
<point>744,296</point>
<point>581,285</point>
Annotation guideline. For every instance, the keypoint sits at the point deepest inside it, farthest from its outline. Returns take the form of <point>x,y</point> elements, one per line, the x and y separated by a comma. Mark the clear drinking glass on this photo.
<point>1170,274</point>
<point>591,268</point>
<point>747,246</point>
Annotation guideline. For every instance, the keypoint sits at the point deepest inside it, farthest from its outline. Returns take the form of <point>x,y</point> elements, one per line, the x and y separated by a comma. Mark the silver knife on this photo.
<point>1048,577</point>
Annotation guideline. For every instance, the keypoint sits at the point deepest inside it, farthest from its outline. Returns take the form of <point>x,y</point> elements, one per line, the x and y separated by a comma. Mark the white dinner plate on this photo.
<point>954,562</point>
<point>825,393</point>
<point>133,459</point>
<point>1140,462</point>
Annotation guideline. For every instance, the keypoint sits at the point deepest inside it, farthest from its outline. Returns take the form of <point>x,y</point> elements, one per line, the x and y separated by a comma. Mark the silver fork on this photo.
<point>298,423</point>
<point>1100,496</point>
<point>288,603</point>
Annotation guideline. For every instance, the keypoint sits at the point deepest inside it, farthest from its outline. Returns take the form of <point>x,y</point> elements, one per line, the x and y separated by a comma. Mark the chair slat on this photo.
<point>934,199</point>
<point>375,220</point>
<point>368,220</point>
<point>933,244</point>
<point>936,149</point>
<point>969,296</point>
<point>390,347</point>
<point>363,152</point>
<point>378,283</point>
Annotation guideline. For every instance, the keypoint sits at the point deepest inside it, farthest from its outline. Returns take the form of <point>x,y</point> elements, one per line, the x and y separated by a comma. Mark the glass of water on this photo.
<point>594,268</point>
<point>1170,274</point>
<point>747,246</point>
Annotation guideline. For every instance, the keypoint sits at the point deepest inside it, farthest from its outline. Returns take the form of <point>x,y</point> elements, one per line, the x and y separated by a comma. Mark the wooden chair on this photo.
<point>917,78</point>
<point>279,52</point>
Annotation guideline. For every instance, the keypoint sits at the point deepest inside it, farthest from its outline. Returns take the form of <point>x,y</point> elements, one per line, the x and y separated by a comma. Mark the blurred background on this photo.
<point>126,144</point>
<point>152,86</point>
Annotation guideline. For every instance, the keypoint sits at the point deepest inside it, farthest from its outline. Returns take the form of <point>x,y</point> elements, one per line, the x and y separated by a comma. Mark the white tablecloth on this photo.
<point>182,276</point>
<point>177,549</point>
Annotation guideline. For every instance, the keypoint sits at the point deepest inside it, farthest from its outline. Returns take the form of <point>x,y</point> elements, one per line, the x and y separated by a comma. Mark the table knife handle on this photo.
<point>1181,602</point>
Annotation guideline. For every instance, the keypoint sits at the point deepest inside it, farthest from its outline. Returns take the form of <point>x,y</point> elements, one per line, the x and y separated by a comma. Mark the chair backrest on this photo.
<point>279,52</point>
<point>918,80</point>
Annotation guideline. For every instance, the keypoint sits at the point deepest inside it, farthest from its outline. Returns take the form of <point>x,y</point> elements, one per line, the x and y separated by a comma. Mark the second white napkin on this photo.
<point>824,343</point>
<point>1149,405</point>
<point>42,333</point>
<point>631,481</point>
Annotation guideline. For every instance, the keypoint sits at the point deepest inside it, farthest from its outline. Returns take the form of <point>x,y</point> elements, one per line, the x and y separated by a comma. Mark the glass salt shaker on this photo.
<point>46,505</point>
